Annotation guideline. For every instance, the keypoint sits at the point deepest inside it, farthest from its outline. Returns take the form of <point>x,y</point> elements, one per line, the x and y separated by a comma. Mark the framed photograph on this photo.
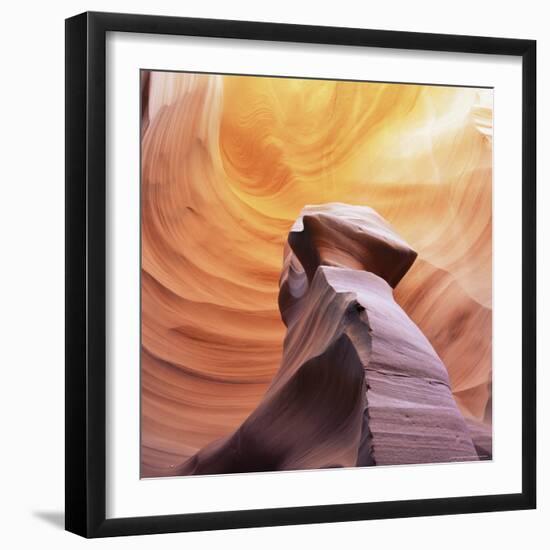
<point>300,274</point>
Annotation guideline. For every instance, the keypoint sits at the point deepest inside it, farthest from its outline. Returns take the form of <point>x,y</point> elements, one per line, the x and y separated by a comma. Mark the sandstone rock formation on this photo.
<point>227,164</point>
<point>359,384</point>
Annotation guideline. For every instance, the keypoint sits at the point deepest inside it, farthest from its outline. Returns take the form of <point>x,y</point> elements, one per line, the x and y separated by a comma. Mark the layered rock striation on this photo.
<point>359,383</point>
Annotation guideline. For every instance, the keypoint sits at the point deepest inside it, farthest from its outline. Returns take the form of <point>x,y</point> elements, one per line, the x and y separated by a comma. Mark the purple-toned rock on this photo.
<point>359,384</point>
<point>482,437</point>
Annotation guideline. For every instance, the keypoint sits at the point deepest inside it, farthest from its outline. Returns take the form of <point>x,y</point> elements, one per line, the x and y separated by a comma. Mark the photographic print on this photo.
<point>316,274</point>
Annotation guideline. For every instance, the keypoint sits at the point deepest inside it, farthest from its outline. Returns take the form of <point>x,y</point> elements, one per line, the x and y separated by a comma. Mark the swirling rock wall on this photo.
<point>227,165</point>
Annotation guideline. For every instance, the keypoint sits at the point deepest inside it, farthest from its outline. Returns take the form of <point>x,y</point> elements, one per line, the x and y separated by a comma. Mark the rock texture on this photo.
<point>228,162</point>
<point>359,383</point>
<point>450,318</point>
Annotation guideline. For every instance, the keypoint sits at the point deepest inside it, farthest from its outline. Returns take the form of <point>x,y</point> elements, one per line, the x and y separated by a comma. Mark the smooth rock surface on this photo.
<point>359,384</point>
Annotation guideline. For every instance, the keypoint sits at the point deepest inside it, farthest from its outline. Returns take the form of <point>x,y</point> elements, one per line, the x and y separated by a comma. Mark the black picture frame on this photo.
<point>86,274</point>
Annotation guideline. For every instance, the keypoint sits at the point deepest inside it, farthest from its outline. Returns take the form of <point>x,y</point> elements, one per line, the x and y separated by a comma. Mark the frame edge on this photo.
<point>76,448</point>
<point>529,273</point>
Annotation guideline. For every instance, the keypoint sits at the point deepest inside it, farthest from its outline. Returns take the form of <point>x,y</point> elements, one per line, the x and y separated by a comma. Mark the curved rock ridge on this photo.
<point>359,384</point>
<point>339,235</point>
<point>449,317</point>
<point>354,237</point>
